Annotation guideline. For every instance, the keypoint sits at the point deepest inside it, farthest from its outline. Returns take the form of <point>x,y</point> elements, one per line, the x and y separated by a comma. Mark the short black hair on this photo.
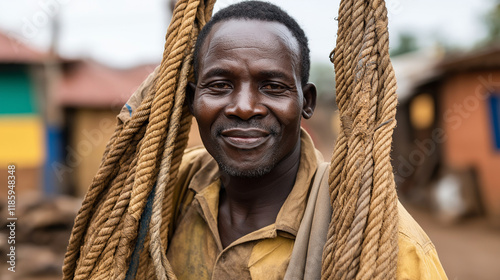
<point>264,11</point>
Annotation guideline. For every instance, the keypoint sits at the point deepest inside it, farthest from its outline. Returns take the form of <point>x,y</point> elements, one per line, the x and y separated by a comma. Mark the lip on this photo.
<point>245,138</point>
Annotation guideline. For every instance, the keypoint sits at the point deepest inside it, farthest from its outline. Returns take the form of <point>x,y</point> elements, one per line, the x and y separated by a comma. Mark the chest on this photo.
<point>195,251</point>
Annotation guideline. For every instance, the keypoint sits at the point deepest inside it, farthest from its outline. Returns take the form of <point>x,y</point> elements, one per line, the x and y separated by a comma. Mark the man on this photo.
<point>241,202</point>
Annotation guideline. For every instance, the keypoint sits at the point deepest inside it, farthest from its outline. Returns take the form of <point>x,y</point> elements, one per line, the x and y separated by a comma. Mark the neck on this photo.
<point>248,204</point>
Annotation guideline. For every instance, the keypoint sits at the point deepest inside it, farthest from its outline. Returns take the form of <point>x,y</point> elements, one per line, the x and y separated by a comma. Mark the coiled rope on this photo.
<point>144,154</point>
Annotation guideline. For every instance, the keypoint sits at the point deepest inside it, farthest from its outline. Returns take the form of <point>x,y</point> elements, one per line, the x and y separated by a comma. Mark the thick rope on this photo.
<point>145,153</point>
<point>362,238</point>
<point>105,229</point>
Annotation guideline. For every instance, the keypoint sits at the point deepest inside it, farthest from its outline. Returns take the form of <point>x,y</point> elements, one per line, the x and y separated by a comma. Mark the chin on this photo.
<point>245,173</point>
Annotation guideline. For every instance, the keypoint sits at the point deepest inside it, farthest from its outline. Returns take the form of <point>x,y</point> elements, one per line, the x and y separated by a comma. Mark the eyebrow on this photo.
<point>217,71</point>
<point>268,74</point>
<point>274,74</point>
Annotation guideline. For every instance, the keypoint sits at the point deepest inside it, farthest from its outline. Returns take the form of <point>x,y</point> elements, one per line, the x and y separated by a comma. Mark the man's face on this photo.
<point>248,99</point>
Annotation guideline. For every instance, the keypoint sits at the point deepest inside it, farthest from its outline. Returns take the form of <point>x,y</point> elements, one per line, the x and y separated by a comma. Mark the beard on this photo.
<point>237,171</point>
<point>253,173</point>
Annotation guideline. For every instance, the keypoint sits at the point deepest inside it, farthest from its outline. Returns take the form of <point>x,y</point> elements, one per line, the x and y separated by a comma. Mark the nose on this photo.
<point>245,104</point>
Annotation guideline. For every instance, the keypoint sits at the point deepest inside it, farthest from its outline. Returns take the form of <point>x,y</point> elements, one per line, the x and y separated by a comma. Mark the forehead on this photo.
<point>245,33</point>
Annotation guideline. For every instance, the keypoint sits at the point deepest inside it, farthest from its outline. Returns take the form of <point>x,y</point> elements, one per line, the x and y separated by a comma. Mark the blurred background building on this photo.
<point>447,141</point>
<point>67,68</point>
<point>21,117</point>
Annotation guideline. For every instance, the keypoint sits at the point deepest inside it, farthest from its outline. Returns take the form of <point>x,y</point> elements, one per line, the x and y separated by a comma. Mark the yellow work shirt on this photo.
<point>196,252</point>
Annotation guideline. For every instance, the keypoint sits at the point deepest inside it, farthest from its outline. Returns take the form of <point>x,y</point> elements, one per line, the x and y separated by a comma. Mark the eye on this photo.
<point>220,85</point>
<point>274,88</point>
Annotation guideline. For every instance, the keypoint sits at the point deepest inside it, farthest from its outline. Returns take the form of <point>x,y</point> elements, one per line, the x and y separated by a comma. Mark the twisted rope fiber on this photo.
<point>203,15</point>
<point>176,142</point>
<point>165,177</point>
<point>359,165</point>
<point>115,191</point>
<point>115,219</point>
<point>147,150</point>
<point>127,133</point>
<point>101,237</point>
<point>155,136</point>
<point>103,226</point>
<point>362,238</point>
<point>187,24</point>
<point>115,150</point>
<point>107,223</point>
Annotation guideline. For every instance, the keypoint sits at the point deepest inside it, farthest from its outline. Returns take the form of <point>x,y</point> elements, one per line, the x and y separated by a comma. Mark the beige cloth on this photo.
<point>305,262</point>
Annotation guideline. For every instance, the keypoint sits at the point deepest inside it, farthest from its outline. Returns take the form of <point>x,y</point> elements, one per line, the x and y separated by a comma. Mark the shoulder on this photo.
<point>195,171</point>
<point>411,231</point>
<point>417,257</point>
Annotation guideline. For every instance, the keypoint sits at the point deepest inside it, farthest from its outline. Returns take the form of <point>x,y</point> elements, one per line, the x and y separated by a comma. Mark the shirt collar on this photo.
<point>290,215</point>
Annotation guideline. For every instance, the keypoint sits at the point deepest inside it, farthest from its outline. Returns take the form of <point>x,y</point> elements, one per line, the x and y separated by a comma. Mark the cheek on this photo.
<point>202,110</point>
<point>289,113</point>
<point>205,112</point>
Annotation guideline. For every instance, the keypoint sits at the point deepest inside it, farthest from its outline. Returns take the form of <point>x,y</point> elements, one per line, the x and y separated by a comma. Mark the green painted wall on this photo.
<point>16,91</point>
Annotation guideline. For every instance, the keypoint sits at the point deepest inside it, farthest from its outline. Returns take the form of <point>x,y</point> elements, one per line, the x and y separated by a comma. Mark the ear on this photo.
<point>309,93</point>
<point>190,91</point>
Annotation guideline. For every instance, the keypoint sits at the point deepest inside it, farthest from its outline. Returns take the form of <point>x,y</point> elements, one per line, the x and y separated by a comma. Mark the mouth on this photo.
<point>245,138</point>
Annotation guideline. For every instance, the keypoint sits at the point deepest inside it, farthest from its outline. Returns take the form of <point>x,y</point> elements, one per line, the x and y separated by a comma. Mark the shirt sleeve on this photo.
<point>417,256</point>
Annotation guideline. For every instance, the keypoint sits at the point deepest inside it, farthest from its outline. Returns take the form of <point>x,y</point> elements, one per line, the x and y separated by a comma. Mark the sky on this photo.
<point>124,33</point>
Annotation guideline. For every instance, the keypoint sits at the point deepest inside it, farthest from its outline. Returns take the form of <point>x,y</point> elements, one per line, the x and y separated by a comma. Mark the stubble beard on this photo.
<point>253,173</point>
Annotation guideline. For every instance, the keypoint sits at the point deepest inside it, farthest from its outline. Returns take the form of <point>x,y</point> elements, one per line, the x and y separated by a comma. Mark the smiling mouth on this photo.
<point>245,138</point>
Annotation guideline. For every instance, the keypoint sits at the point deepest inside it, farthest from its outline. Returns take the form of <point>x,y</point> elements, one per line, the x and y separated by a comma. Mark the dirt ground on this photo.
<point>469,249</point>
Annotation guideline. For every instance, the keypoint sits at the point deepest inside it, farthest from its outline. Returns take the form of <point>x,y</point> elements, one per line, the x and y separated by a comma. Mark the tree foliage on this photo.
<point>492,21</point>
<point>407,42</point>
